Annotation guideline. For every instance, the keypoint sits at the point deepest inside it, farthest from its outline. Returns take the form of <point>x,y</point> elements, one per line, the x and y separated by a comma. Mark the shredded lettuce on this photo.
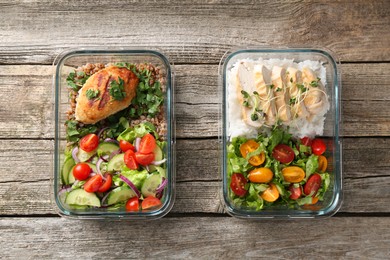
<point>136,177</point>
<point>131,133</point>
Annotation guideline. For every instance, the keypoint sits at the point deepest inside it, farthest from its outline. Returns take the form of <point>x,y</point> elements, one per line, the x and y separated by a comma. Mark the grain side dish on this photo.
<point>115,157</point>
<point>276,111</point>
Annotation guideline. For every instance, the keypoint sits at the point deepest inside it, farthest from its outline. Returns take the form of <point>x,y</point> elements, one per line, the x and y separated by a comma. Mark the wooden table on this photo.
<point>195,36</point>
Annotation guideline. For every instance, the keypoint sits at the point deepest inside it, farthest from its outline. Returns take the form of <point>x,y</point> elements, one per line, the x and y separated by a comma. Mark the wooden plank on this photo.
<point>199,238</point>
<point>25,176</point>
<point>191,32</point>
<point>364,101</point>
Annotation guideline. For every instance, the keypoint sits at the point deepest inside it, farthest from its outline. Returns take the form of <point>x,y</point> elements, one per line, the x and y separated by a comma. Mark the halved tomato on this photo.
<point>312,185</point>
<point>94,183</point>
<point>144,159</point>
<point>106,184</point>
<point>125,145</point>
<point>296,191</point>
<point>89,142</point>
<point>283,153</point>
<point>147,144</point>
<point>250,146</point>
<point>130,160</point>
<point>150,202</point>
<point>238,183</point>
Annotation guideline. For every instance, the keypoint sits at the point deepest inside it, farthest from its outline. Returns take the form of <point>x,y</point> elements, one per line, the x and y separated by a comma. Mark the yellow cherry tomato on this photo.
<point>293,174</point>
<point>271,193</point>
<point>261,175</point>
<point>322,163</point>
<point>248,147</point>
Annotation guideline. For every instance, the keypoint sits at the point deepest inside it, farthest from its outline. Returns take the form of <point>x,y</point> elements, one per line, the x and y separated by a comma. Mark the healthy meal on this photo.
<point>276,111</point>
<point>116,129</point>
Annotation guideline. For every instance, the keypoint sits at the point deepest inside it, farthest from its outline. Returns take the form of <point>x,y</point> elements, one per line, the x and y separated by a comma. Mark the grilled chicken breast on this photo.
<point>91,108</point>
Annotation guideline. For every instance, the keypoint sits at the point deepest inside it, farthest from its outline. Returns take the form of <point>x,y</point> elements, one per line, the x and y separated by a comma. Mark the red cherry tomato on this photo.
<point>150,202</point>
<point>296,192</point>
<point>238,184</point>
<point>312,185</point>
<point>94,183</point>
<point>89,142</point>
<point>132,204</point>
<point>147,144</point>
<point>125,145</point>
<point>144,159</point>
<point>318,146</point>
<point>130,160</point>
<point>306,141</point>
<point>81,171</point>
<point>106,184</point>
<point>283,153</point>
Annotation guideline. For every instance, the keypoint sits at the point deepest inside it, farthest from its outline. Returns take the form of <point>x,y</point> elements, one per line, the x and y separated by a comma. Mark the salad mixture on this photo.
<point>116,138</point>
<point>276,108</point>
<point>276,169</point>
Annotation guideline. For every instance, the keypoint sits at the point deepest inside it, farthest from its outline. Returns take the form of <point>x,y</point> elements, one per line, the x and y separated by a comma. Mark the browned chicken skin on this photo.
<point>92,110</point>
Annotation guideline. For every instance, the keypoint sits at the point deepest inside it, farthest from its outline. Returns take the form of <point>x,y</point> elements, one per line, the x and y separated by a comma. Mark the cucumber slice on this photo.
<point>158,156</point>
<point>150,185</point>
<point>85,156</point>
<point>161,171</point>
<point>116,163</point>
<point>66,169</point>
<point>80,197</point>
<point>106,148</point>
<point>120,194</point>
<point>71,178</point>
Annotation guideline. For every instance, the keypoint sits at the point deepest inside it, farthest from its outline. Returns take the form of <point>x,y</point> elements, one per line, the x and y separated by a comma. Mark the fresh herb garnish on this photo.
<point>278,89</point>
<point>293,101</point>
<point>302,88</point>
<point>291,80</point>
<point>254,117</point>
<point>245,94</point>
<point>314,83</point>
<point>117,89</point>
<point>74,81</point>
<point>271,86</point>
<point>92,93</point>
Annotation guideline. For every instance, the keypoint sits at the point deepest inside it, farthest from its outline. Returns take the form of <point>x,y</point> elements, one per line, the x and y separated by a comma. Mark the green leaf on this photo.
<point>91,94</point>
<point>311,165</point>
<point>117,89</point>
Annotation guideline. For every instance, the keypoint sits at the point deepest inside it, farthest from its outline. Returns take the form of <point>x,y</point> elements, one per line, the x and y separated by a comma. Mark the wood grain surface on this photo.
<point>195,35</point>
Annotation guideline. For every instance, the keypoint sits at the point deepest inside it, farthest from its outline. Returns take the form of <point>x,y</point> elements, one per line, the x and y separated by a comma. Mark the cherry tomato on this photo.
<point>81,171</point>
<point>296,192</point>
<point>150,202</point>
<point>260,175</point>
<point>293,174</point>
<point>89,142</point>
<point>312,185</point>
<point>238,184</point>
<point>318,146</point>
<point>322,163</point>
<point>147,144</point>
<point>94,183</point>
<point>306,141</point>
<point>250,146</point>
<point>125,145</point>
<point>144,159</point>
<point>106,184</point>
<point>132,204</point>
<point>283,153</point>
<point>271,193</point>
<point>130,160</point>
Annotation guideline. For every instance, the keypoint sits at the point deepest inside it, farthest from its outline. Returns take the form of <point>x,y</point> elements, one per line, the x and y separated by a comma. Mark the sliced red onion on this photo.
<point>92,174</point>
<point>105,198</point>
<point>159,195</point>
<point>157,163</point>
<point>101,131</point>
<point>98,166</point>
<point>147,168</point>
<point>63,190</point>
<point>114,153</point>
<point>74,154</point>
<point>111,140</point>
<point>162,186</point>
<point>131,185</point>
<point>137,142</point>
<point>104,158</point>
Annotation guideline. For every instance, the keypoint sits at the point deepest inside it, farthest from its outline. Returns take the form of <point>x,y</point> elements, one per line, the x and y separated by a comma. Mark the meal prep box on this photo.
<point>331,133</point>
<point>70,60</point>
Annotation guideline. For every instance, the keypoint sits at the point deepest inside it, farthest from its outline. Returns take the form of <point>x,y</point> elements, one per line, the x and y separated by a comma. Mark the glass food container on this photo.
<point>332,198</point>
<point>66,63</point>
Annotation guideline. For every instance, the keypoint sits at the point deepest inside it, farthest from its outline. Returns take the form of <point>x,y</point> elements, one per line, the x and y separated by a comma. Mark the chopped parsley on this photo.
<point>293,101</point>
<point>278,89</point>
<point>302,88</point>
<point>314,83</point>
<point>117,89</point>
<point>76,80</point>
<point>92,93</point>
